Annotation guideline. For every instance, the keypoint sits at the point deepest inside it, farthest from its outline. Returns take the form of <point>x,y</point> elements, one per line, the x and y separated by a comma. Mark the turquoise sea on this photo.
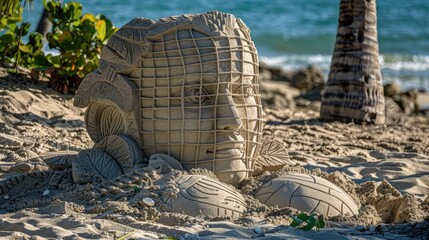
<point>295,33</point>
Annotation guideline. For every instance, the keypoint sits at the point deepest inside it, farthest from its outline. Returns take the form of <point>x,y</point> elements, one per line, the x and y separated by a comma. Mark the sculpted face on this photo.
<point>200,103</point>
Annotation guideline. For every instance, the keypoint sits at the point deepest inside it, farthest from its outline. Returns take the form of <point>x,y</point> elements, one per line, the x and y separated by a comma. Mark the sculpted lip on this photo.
<point>228,149</point>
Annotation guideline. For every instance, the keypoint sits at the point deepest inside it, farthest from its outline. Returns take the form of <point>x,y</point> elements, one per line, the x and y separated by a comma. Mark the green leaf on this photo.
<point>24,48</point>
<point>89,30</point>
<point>89,17</point>
<point>101,29</point>
<point>16,16</point>
<point>307,222</point>
<point>7,7</point>
<point>65,36</point>
<point>54,60</point>
<point>7,38</point>
<point>110,29</point>
<point>25,27</point>
<point>3,22</point>
<point>320,224</point>
<point>50,5</point>
<point>65,41</point>
<point>54,9</point>
<point>40,61</point>
<point>36,40</point>
<point>73,11</point>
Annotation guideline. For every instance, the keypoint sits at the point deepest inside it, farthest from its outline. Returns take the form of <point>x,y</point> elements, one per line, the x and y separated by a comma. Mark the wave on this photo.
<point>410,71</point>
<point>403,62</point>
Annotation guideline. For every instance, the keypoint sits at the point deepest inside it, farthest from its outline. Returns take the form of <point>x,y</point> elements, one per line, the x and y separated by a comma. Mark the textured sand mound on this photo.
<point>35,122</point>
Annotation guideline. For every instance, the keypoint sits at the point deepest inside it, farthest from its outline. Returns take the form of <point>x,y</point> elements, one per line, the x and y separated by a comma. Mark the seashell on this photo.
<point>46,192</point>
<point>148,201</point>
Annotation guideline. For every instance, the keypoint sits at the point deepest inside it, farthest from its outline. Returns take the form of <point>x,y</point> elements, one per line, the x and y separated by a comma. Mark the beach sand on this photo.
<point>385,169</point>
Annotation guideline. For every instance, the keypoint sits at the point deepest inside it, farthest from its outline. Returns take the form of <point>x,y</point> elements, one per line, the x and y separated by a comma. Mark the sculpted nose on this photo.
<point>227,116</point>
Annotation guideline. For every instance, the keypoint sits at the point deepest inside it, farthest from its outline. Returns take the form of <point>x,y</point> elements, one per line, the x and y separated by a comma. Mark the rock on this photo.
<point>407,101</point>
<point>264,72</point>
<point>314,94</point>
<point>304,79</point>
<point>391,89</point>
<point>302,102</point>
<point>278,95</point>
<point>46,193</point>
<point>307,78</point>
<point>280,74</point>
<point>407,105</point>
<point>148,201</point>
<point>394,113</point>
<point>258,230</point>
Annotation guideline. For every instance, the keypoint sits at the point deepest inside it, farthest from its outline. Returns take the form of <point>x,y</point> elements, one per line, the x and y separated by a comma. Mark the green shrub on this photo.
<point>78,39</point>
<point>75,39</point>
<point>12,49</point>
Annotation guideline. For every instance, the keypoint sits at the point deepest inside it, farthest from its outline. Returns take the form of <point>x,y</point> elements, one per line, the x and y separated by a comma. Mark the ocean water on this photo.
<point>296,33</point>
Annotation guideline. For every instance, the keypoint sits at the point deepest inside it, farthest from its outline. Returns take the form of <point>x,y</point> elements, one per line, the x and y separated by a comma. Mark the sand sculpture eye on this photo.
<point>196,95</point>
<point>248,91</point>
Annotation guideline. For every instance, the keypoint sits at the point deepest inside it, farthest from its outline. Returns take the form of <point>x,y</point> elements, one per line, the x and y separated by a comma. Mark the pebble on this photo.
<point>45,193</point>
<point>114,190</point>
<point>258,230</point>
<point>6,197</point>
<point>149,201</point>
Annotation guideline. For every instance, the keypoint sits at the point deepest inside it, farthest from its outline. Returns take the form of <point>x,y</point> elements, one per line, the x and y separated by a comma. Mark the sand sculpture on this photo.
<point>184,88</point>
<point>308,193</point>
<point>354,90</point>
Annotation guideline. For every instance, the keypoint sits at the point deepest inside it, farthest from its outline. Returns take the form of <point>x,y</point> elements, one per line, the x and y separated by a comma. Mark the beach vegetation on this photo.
<point>306,222</point>
<point>13,50</point>
<point>75,42</point>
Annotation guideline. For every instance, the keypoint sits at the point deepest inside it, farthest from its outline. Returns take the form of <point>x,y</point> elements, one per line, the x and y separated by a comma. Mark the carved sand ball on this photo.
<point>198,194</point>
<point>186,86</point>
<point>307,193</point>
<point>354,91</point>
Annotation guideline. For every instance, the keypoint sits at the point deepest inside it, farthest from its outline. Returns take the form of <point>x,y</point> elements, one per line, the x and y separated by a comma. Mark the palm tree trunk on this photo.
<point>354,91</point>
<point>44,24</point>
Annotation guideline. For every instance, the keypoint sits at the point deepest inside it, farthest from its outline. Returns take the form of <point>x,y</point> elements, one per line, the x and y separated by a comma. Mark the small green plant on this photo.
<point>307,222</point>
<point>12,49</point>
<point>78,39</point>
